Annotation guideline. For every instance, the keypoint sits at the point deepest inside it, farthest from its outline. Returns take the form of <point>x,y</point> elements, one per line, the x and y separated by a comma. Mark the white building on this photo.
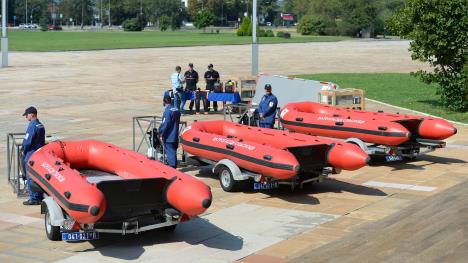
<point>185,3</point>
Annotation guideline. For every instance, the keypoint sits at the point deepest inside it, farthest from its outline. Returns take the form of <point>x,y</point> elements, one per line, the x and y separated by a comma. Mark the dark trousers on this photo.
<point>199,96</point>
<point>33,196</point>
<point>171,153</point>
<point>207,105</point>
<point>266,125</point>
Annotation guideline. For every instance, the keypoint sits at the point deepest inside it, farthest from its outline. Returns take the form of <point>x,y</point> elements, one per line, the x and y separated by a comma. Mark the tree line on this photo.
<point>327,17</point>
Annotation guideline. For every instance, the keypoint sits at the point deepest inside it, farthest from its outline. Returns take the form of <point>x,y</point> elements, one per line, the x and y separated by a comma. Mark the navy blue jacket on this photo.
<point>34,138</point>
<point>267,108</point>
<point>169,128</point>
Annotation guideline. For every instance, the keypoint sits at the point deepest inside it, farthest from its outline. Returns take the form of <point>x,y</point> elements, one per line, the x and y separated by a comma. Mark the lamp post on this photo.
<point>100,13</point>
<point>254,39</point>
<point>109,16</point>
<point>4,35</point>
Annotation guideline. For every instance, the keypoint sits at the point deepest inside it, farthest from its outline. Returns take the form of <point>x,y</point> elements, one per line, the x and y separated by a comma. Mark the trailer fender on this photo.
<point>235,170</point>
<point>55,211</point>
<point>359,143</point>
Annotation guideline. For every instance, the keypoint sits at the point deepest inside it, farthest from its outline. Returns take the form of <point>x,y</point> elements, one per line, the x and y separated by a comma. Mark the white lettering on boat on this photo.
<point>53,172</point>
<point>243,145</point>
<point>186,129</point>
<point>321,118</point>
<point>284,112</point>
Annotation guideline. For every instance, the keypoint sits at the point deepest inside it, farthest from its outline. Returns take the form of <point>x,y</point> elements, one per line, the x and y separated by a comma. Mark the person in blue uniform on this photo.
<point>169,131</point>
<point>33,140</point>
<point>267,108</point>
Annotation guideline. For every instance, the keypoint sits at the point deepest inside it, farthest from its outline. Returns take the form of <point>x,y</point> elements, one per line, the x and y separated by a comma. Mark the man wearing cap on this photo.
<point>33,140</point>
<point>211,77</point>
<point>169,131</point>
<point>191,80</point>
<point>267,108</point>
<point>177,80</point>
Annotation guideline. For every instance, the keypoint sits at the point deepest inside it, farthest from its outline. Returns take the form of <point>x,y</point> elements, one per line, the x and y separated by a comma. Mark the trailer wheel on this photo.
<point>52,232</point>
<point>226,180</point>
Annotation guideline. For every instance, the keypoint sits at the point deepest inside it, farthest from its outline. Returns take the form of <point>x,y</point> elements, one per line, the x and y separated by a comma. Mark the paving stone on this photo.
<point>256,258</point>
<point>249,229</point>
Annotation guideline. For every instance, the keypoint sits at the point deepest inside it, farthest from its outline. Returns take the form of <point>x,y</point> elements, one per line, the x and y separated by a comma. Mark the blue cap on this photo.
<point>30,110</point>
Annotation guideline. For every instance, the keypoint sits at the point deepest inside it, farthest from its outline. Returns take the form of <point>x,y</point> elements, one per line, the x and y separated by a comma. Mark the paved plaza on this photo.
<point>95,94</point>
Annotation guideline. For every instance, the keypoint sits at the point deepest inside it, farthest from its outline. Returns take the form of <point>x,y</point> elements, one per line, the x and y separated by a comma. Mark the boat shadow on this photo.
<point>331,185</point>
<point>198,231</point>
<point>416,164</point>
<point>305,195</point>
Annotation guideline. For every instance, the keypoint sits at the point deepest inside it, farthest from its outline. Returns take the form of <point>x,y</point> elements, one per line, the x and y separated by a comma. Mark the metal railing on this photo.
<point>15,165</point>
<point>241,113</point>
<point>143,127</point>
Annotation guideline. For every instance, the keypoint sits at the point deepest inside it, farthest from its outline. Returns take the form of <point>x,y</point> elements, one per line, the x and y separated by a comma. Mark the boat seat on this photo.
<point>96,176</point>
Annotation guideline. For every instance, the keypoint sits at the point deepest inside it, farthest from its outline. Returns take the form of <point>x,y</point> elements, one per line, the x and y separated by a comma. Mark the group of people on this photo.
<point>168,129</point>
<point>192,91</point>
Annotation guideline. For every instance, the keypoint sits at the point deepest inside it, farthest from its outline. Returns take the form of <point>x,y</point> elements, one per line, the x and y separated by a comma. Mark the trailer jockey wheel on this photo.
<point>226,180</point>
<point>52,232</point>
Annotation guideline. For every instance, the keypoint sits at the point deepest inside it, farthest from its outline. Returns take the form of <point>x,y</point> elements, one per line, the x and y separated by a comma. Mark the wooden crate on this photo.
<point>246,86</point>
<point>344,98</point>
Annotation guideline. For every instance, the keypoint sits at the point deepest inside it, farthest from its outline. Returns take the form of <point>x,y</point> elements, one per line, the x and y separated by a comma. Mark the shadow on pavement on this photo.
<point>197,231</point>
<point>409,164</point>
<point>337,186</point>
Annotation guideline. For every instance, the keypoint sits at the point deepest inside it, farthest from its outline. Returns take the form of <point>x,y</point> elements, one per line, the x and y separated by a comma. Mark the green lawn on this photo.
<point>394,88</point>
<point>64,41</point>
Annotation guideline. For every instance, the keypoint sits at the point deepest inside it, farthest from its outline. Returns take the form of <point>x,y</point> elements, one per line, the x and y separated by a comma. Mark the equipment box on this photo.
<point>246,86</point>
<point>343,98</point>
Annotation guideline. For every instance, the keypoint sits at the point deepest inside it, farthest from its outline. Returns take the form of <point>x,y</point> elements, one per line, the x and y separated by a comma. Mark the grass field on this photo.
<point>394,88</point>
<point>65,41</point>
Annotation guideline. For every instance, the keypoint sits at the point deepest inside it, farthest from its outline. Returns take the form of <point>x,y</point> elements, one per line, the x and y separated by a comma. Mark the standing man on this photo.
<point>33,140</point>
<point>177,80</point>
<point>169,131</point>
<point>211,77</point>
<point>191,80</point>
<point>267,108</point>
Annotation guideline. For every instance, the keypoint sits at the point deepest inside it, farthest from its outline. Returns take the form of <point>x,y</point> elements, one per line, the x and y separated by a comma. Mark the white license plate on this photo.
<point>393,158</point>
<point>80,236</point>
<point>265,186</point>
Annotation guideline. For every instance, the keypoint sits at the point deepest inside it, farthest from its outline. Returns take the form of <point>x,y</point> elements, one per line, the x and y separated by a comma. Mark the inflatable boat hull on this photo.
<point>275,153</point>
<point>55,167</point>
<point>373,127</point>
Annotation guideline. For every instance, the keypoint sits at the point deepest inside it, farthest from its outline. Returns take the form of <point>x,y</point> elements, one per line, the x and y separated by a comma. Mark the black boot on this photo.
<point>30,202</point>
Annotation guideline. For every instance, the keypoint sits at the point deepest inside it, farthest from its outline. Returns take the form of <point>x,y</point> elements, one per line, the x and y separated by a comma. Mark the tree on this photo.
<point>44,21</point>
<point>439,34</point>
<point>246,28</point>
<point>193,7</point>
<point>298,7</point>
<point>309,25</point>
<point>164,22</point>
<point>132,24</point>
<point>173,9</point>
<point>79,10</point>
<point>203,19</point>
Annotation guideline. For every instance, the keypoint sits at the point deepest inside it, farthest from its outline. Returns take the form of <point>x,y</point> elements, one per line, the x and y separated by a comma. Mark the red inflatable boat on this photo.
<point>273,153</point>
<point>371,127</point>
<point>128,185</point>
